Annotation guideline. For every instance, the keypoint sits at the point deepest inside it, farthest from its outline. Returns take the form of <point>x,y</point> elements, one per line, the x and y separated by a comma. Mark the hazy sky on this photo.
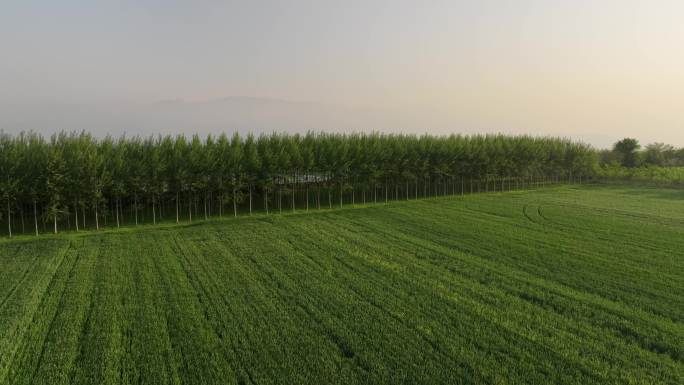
<point>593,70</point>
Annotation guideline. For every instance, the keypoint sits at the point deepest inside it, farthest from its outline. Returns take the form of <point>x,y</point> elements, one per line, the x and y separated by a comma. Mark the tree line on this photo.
<point>75,181</point>
<point>629,153</point>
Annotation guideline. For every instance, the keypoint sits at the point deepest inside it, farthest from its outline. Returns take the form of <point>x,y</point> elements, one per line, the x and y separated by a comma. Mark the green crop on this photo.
<point>565,285</point>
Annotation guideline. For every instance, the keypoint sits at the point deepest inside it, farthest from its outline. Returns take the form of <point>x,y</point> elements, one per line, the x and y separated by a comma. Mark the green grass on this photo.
<point>558,286</point>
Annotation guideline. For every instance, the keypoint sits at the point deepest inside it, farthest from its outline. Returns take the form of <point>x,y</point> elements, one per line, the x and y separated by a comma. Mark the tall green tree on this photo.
<point>55,186</point>
<point>74,174</point>
<point>9,178</point>
<point>627,150</point>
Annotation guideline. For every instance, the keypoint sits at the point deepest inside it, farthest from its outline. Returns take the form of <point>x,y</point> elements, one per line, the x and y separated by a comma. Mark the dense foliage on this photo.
<point>628,153</point>
<point>74,180</point>
<point>659,176</point>
<point>552,286</point>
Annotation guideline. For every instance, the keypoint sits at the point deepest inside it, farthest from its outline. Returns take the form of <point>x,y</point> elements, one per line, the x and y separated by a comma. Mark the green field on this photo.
<point>581,285</point>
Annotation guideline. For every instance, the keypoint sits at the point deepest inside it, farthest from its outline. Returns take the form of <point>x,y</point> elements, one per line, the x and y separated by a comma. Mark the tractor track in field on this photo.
<point>529,218</point>
<point>19,283</point>
<point>363,297</point>
<point>200,290</point>
<point>540,211</point>
<point>662,349</point>
<point>86,324</point>
<point>11,354</point>
<point>60,303</point>
<point>539,218</point>
<point>483,318</point>
<point>336,339</point>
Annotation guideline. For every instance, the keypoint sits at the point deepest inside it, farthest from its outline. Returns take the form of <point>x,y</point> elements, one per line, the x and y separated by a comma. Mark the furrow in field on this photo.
<point>31,344</point>
<point>102,346</point>
<point>193,340</point>
<point>21,307</point>
<point>220,304</point>
<point>672,344</point>
<point>61,345</point>
<point>15,268</point>
<point>358,299</point>
<point>597,273</point>
<point>424,314</point>
<point>267,260</point>
<point>301,344</point>
<point>149,341</point>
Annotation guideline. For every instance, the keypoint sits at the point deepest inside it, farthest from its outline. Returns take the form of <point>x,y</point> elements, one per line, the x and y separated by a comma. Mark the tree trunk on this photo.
<point>250,199</point>
<point>205,207</point>
<point>266,200</point>
<point>55,223</point>
<point>154,211</point>
<point>234,203</point>
<point>117,214</point>
<point>340,195</point>
<point>135,207</point>
<point>76,214</point>
<point>97,221</point>
<point>307,197</point>
<point>9,218</point>
<point>293,197</point>
<point>177,206</point>
<point>35,215</point>
<point>190,209</point>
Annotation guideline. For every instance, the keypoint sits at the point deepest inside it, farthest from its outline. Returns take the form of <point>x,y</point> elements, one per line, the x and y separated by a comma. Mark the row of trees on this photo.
<point>74,181</point>
<point>629,153</point>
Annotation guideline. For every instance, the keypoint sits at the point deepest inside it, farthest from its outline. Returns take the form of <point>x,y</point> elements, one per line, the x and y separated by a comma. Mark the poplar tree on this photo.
<point>74,174</point>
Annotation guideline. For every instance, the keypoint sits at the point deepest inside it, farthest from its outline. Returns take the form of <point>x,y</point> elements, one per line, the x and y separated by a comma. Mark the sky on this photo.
<point>595,71</point>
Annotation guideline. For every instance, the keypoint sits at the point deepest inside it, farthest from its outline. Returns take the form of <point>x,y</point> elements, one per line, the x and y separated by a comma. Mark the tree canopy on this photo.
<point>630,154</point>
<point>627,151</point>
<point>75,180</point>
